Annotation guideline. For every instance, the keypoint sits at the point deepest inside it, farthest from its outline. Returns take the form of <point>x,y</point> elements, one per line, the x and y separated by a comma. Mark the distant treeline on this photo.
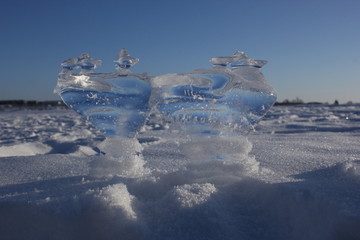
<point>298,101</point>
<point>24,103</point>
<point>283,103</point>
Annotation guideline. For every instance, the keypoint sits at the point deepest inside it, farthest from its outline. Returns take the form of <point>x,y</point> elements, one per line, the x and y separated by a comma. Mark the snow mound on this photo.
<point>117,196</point>
<point>350,169</point>
<point>25,149</point>
<point>198,202</point>
<point>190,195</point>
<point>122,157</point>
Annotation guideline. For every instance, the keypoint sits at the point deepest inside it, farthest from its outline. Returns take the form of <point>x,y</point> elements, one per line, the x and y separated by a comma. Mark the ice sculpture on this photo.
<point>225,100</point>
<point>116,103</point>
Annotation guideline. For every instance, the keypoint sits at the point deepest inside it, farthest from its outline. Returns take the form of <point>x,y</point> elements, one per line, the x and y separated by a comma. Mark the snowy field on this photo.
<point>296,177</point>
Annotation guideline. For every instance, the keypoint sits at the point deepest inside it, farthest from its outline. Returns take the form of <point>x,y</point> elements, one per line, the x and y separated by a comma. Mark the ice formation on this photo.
<point>227,99</point>
<point>116,103</point>
<point>224,101</point>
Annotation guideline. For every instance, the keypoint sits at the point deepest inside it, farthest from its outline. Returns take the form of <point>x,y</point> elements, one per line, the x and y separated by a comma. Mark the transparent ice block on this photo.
<point>116,103</point>
<point>227,99</point>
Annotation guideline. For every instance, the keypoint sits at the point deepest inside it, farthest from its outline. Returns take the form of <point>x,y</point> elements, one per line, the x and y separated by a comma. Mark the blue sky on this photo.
<point>313,46</point>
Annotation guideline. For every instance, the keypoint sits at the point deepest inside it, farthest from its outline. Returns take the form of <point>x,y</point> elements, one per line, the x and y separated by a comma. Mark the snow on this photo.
<point>296,177</point>
<point>24,149</point>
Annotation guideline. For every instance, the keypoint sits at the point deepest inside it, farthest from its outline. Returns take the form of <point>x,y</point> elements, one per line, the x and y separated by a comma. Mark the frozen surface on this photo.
<point>296,177</point>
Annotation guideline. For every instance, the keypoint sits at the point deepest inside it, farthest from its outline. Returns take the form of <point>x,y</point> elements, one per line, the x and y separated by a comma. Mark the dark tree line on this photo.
<point>24,103</point>
<point>298,101</point>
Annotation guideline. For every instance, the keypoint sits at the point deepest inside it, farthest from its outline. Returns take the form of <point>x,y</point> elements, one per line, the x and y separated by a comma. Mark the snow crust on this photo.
<point>296,177</point>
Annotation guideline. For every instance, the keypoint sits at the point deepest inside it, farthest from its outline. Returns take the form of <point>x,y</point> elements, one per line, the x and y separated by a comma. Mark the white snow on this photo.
<point>24,149</point>
<point>296,177</point>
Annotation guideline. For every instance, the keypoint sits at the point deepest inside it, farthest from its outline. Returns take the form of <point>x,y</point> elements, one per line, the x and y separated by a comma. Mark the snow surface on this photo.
<point>296,177</point>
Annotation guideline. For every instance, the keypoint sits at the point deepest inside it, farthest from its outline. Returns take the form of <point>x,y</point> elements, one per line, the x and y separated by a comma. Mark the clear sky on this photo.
<point>313,46</point>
